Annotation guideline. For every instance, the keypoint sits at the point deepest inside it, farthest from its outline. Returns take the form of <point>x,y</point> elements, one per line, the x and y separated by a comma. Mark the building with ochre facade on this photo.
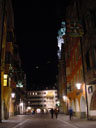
<point>12,76</point>
<point>80,58</point>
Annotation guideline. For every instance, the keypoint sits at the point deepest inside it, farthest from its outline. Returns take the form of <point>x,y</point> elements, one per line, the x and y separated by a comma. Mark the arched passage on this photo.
<point>73,106</point>
<point>77,106</point>
<point>83,107</point>
<point>82,104</point>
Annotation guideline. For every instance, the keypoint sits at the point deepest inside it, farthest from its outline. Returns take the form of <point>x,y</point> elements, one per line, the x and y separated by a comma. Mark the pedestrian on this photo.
<point>52,112</point>
<point>70,113</point>
<point>56,112</point>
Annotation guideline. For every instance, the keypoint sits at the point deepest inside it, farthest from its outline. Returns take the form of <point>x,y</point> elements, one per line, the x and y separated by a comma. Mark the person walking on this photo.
<point>52,112</point>
<point>56,112</point>
<point>70,113</point>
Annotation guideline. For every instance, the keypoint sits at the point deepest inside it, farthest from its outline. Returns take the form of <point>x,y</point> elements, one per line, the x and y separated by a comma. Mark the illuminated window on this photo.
<point>5,80</point>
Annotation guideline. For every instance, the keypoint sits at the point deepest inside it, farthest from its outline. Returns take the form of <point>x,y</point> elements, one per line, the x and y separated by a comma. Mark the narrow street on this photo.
<point>45,121</point>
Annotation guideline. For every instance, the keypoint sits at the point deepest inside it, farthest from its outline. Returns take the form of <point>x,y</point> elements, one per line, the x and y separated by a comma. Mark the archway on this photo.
<point>73,106</point>
<point>83,107</point>
<point>77,108</point>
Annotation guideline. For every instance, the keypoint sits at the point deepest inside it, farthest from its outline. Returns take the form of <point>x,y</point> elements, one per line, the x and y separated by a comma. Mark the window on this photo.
<point>84,26</point>
<point>5,80</point>
<point>94,56</point>
<point>93,18</point>
<point>9,37</point>
<point>87,60</point>
<point>90,89</point>
<point>8,58</point>
<point>35,93</point>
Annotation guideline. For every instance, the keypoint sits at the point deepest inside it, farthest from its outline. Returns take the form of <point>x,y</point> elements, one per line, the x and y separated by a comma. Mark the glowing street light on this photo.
<point>58,103</point>
<point>64,98</point>
<point>13,95</point>
<point>21,104</point>
<point>78,85</point>
<point>5,80</point>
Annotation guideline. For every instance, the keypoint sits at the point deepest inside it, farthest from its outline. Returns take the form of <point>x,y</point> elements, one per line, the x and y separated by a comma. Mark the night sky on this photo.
<point>36,27</point>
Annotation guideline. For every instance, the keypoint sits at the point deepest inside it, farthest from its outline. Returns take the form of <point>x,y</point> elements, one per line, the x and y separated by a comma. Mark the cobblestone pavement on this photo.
<point>18,120</point>
<point>76,122</point>
<point>13,121</point>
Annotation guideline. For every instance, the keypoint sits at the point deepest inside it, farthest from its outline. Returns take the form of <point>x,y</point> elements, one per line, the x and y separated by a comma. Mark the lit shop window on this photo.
<point>5,80</point>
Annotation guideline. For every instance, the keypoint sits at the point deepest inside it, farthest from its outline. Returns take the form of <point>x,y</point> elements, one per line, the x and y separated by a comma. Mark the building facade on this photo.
<point>80,58</point>
<point>42,100</point>
<point>10,68</point>
<point>89,53</point>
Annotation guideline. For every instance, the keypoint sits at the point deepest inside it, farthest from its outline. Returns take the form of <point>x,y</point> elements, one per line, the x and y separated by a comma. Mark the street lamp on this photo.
<point>64,98</point>
<point>78,85</point>
<point>58,103</point>
<point>5,80</point>
<point>13,95</point>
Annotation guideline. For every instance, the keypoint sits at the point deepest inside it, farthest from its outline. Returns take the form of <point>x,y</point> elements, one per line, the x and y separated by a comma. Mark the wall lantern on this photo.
<point>13,95</point>
<point>64,98</point>
<point>21,104</point>
<point>58,103</point>
<point>78,85</point>
<point>5,80</point>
